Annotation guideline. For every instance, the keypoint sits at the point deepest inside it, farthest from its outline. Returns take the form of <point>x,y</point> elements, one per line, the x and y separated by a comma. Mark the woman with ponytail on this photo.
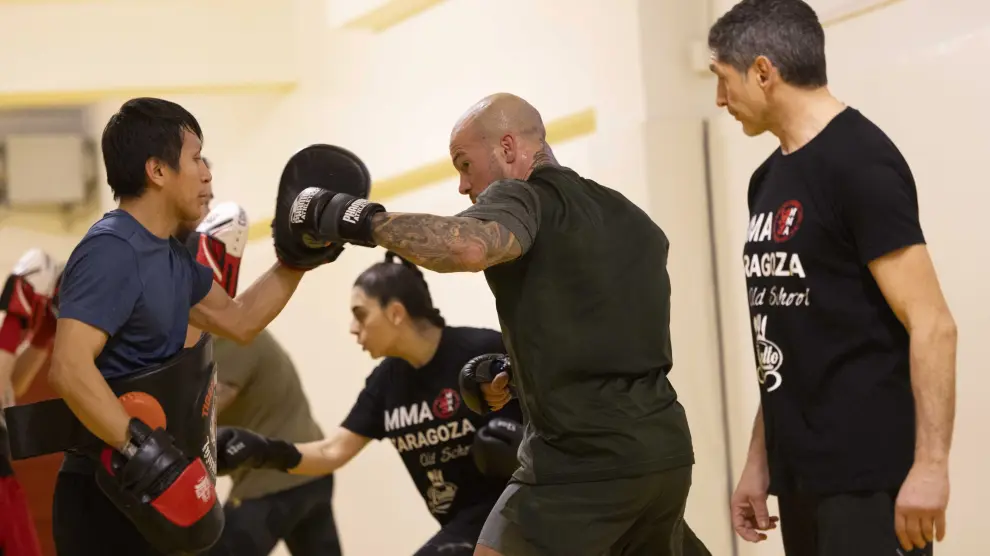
<point>460,461</point>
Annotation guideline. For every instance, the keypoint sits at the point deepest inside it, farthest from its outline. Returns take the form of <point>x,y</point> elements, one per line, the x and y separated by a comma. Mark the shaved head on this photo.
<point>501,113</point>
<point>500,137</point>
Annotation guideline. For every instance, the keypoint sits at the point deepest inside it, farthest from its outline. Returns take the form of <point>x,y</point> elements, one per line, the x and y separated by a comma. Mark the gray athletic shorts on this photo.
<point>627,517</point>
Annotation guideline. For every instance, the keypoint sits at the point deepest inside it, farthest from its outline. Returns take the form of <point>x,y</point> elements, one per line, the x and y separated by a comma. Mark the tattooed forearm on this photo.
<point>445,243</point>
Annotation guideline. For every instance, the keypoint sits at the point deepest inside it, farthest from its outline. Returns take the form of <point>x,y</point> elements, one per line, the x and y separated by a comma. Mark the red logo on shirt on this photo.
<point>787,221</point>
<point>446,404</point>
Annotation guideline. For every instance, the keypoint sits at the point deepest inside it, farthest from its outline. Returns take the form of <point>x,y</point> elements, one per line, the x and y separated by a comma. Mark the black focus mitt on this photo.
<point>170,497</point>
<point>323,166</point>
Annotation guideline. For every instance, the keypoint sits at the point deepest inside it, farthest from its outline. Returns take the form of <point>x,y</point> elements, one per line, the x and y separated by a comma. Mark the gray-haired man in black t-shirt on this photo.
<point>854,342</point>
<point>583,297</point>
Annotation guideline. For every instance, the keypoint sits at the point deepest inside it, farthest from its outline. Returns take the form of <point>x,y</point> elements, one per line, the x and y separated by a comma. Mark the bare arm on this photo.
<point>6,366</point>
<point>758,442</point>
<point>445,243</point>
<point>76,379</point>
<point>26,368</point>
<point>908,281</point>
<point>243,318</point>
<point>323,457</point>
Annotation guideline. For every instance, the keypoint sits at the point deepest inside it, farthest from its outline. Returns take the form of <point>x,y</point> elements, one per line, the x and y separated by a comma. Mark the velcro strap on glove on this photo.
<point>354,222</point>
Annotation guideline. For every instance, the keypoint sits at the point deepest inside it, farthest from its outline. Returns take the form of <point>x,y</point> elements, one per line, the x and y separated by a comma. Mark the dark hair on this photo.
<point>143,128</point>
<point>400,280</point>
<point>785,31</point>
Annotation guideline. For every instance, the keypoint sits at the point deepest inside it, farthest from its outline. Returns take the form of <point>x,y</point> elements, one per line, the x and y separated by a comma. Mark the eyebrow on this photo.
<point>457,157</point>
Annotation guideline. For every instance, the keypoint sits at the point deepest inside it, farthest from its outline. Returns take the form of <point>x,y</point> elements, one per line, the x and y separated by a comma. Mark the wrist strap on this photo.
<point>355,222</point>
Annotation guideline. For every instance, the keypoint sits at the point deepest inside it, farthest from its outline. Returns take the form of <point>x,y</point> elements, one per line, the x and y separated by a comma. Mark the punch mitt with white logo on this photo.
<point>321,167</point>
<point>218,243</point>
<point>170,497</point>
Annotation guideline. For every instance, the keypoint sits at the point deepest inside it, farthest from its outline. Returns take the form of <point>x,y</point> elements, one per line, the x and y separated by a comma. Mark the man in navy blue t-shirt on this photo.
<point>127,296</point>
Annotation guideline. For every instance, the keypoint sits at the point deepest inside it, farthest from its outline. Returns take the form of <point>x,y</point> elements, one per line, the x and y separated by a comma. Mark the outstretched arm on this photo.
<point>243,318</point>
<point>500,227</point>
<point>445,243</point>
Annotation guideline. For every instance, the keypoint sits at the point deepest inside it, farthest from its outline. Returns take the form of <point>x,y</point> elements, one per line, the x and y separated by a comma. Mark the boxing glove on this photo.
<point>31,283</point>
<point>495,447</point>
<point>481,370</point>
<point>237,447</point>
<point>218,243</point>
<point>169,497</point>
<point>320,216</point>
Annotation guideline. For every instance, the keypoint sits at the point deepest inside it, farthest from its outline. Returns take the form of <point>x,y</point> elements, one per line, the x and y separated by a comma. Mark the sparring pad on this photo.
<point>218,243</point>
<point>325,166</point>
<point>184,387</point>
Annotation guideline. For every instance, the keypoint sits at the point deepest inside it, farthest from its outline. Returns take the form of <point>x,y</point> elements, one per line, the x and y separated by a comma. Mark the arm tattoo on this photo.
<point>445,243</point>
<point>543,157</point>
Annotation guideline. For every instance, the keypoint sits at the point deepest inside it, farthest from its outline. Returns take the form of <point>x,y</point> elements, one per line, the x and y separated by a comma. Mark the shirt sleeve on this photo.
<point>367,417</point>
<point>880,207</point>
<point>200,276</point>
<point>101,284</point>
<point>236,363</point>
<point>513,204</point>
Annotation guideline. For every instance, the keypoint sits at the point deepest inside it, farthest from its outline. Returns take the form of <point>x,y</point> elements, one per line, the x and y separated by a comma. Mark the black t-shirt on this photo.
<point>832,357</point>
<point>421,413</point>
<point>586,317</point>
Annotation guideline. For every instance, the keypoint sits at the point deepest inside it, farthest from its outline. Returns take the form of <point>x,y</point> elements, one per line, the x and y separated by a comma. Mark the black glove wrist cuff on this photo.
<point>355,222</point>
<point>282,455</point>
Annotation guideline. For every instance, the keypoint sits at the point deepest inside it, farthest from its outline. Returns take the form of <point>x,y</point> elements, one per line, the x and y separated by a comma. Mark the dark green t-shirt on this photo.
<point>269,401</point>
<point>585,315</point>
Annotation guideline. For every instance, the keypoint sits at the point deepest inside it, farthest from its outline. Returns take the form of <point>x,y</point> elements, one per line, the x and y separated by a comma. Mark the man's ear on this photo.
<point>510,148</point>
<point>154,170</point>
<point>764,70</point>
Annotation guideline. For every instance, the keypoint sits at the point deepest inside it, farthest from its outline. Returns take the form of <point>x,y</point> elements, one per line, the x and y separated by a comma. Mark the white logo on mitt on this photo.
<point>300,205</point>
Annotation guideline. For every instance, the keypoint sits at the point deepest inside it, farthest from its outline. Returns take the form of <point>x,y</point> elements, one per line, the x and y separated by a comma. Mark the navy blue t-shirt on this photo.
<point>136,287</point>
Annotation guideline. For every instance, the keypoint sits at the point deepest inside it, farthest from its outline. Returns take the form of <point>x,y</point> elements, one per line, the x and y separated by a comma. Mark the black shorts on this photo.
<point>633,517</point>
<point>302,516</point>
<point>860,524</point>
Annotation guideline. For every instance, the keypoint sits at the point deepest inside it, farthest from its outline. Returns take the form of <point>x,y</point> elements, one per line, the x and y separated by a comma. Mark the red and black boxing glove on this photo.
<point>170,497</point>
<point>25,296</point>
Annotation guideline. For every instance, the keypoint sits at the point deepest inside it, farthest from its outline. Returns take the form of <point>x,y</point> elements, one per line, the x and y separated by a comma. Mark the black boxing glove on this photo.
<point>170,497</point>
<point>237,447</point>
<point>320,217</point>
<point>481,370</point>
<point>495,447</point>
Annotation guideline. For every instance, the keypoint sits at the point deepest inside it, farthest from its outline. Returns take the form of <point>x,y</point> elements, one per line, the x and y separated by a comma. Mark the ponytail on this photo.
<point>400,280</point>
